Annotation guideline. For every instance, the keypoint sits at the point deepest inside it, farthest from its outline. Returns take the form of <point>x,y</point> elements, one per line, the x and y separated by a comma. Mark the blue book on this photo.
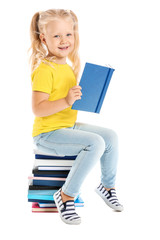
<point>94,82</point>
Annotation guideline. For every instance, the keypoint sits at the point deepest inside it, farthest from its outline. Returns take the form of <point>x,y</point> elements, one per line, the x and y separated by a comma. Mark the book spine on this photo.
<point>45,162</point>
<point>40,197</point>
<point>54,168</point>
<point>48,183</point>
<point>47,178</point>
<point>41,192</point>
<point>35,187</point>
<point>40,156</point>
<point>51,175</point>
<point>101,99</point>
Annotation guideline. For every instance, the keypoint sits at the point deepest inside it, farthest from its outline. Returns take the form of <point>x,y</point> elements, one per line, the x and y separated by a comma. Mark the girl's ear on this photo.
<point>42,37</point>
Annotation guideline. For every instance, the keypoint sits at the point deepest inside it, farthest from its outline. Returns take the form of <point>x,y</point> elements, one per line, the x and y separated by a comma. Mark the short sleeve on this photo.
<point>42,80</point>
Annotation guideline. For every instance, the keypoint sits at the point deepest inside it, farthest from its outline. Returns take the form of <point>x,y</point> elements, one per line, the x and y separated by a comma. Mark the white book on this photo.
<point>47,205</point>
<point>47,178</point>
<point>52,162</point>
<point>50,168</point>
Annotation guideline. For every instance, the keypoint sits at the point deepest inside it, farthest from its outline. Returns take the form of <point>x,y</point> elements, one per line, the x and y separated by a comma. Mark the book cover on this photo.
<point>94,82</point>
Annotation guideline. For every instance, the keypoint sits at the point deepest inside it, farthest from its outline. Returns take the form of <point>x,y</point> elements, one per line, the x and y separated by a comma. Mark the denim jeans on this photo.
<point>90,144</point>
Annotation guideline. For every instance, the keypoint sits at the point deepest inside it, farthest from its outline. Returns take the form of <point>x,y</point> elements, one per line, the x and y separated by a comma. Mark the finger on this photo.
<point>78,98</point>
<point>76,87</point>
<point>77,93</point>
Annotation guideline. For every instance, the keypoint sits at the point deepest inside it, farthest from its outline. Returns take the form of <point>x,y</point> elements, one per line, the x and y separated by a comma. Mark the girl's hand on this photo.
<point>74,94</point>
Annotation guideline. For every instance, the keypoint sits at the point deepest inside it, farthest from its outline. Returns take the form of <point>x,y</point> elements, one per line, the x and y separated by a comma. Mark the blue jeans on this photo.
<point>90,144</point>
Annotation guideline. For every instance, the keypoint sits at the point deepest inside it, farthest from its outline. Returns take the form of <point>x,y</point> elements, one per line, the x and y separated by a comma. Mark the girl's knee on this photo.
<point>97,143</point>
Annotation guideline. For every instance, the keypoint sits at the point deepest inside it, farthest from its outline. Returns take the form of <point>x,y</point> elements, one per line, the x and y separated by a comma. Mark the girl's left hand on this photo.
<point>74,94</point>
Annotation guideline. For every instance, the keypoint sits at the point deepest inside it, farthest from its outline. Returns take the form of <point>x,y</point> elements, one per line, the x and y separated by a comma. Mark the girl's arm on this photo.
<point>42,107</point>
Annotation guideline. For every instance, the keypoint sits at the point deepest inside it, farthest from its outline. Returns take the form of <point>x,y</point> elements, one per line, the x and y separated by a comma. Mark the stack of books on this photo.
<point>48,175</point>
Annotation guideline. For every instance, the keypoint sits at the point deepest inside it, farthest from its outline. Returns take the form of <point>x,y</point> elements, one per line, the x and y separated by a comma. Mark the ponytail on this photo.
<point>74,55</point>
<point>38,51</point>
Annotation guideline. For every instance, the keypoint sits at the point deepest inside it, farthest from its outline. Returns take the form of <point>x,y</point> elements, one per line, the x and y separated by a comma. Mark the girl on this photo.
<point>54,39</point>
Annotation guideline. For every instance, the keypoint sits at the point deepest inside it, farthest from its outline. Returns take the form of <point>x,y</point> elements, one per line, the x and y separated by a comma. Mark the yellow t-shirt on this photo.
<point>56,82</point>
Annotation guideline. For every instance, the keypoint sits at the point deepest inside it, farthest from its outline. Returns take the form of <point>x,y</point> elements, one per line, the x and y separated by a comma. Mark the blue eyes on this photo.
<point>69,34</point>
<point>58,36</point>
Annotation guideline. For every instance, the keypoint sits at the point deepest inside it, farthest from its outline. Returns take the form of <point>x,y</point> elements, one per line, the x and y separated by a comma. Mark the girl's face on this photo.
<point>59,39</point>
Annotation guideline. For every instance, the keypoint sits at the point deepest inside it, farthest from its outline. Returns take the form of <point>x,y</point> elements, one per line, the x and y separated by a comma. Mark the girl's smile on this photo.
<point>63,48</point>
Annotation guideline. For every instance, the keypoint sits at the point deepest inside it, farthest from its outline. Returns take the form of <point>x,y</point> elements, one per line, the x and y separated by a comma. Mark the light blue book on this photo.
<point>46,195</point>
<point>41,194</point>
<point>40,197</point>
<point>94,82</point>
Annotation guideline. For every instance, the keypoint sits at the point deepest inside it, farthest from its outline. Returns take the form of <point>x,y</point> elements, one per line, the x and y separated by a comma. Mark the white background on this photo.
<point>126,35</point>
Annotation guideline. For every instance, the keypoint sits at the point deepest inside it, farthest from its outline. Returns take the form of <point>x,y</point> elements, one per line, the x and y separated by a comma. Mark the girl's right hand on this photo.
<point>74,94</point>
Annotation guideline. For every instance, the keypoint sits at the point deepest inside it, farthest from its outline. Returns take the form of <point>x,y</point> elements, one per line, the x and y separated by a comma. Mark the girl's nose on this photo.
<point>63,39</point>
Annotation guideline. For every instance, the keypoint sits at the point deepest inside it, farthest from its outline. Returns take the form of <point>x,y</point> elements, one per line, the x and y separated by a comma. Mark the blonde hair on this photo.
<point>38,26</point>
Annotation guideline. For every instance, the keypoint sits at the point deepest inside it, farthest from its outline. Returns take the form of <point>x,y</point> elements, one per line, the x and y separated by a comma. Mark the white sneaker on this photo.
<point>109,197</point>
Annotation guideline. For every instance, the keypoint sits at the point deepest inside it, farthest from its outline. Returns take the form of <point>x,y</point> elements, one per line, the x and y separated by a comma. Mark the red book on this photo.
<point>36,208</point>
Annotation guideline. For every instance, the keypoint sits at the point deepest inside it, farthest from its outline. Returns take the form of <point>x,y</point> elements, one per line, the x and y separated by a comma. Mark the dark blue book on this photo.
<point>38,173</point>
<point>40,156</point>
<point>94,82</point>
<point>38,187</point>
<point>40,200</point>
<point>48,183</point>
